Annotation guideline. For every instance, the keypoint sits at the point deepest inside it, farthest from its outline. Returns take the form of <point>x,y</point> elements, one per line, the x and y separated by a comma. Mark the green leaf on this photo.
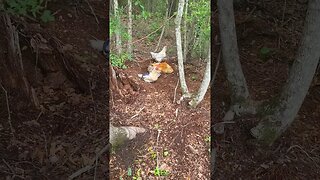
<point>165,153</point>
<point>47,16</point>
<point>129,171</point>
<point>265,53</point>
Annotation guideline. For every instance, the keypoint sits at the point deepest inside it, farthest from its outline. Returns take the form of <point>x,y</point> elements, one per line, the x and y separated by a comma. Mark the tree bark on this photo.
<point>185,43</point>
<point>204,85</point>
<point>300,77</point>
<point>230,53</point>
<point>183,83</point>
<point>118,135</point>
<point>130,27</point>
<point>117,32</point>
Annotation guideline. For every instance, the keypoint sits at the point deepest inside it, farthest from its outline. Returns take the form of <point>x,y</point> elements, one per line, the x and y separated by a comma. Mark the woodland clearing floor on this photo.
<point>64,136</point>
<point>296,154</point>
<point>183,130</point>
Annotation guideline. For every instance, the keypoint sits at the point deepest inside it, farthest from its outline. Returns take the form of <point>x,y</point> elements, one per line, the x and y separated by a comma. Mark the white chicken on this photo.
<point>152,76</point>
<point>160,55</point>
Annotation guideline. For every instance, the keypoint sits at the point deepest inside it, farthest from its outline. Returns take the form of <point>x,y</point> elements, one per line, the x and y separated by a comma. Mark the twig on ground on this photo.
<point>137,113</point>
<point>301,150</point>
<point>88,167</point>
<point>8,109</point>
<point>92,99</point>
<point>95,169</point>
<point>175,92</point>
<point>8,165</point>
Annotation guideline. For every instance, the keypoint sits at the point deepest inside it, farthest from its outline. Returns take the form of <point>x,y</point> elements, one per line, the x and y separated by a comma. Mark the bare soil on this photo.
<point>296,154</point>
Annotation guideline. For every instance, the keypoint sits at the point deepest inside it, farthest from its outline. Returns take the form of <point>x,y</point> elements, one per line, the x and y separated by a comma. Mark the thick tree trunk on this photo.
<point>236,79</point>
<point>300,77</point>
<point>183,83</point>
<point>204,85</point>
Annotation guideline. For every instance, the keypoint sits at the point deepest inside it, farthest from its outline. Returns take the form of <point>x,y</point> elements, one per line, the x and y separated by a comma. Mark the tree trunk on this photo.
<point>204,85</point>
<point>183,83</point>
<point>300,77</point>
<point>172,6</point>
<point>117,32</point>
<point>130,27</point>
<point>185,43</point>
<point>163,28</point>
<point>230,53</point>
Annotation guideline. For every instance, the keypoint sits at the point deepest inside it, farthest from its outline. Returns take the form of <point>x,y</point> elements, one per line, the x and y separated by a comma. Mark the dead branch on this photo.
<point>8,109</point>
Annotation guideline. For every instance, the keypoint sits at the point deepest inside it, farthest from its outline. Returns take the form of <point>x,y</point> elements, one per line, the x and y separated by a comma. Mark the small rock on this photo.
<point>265,166</point>
<point>69,15</point>
<point>53,159</point>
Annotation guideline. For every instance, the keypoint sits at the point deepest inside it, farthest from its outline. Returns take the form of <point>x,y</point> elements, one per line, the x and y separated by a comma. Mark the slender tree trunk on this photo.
<point>300,77</point>
<point>183,83</point>
<point>118,37</point>
<point>185,47</point>
<point>230,53</point>
<point>130,27</point>
<point>204,85</point>
<point>163,28</point>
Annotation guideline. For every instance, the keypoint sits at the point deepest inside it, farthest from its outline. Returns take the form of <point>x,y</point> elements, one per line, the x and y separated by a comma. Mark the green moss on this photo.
<point>268,132</point>
<point>268,107</point>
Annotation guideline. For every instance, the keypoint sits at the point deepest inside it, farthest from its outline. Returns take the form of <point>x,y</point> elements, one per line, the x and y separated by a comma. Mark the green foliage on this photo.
<point>115,25</point>
<point>143,13</point>
<point>165,153</point>
<point>119,60</point>
<point>265,53</point>
<point>129,171</point>
<point>208,139</point>
<point>199,17</point>
<point>160,172</point>
<point>47,16</point>
<point>28,7</point>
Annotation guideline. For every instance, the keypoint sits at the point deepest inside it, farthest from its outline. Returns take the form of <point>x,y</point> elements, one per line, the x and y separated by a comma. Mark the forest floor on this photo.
<point>296,155</point>
<point>64,135</point>
<point>176,136</point>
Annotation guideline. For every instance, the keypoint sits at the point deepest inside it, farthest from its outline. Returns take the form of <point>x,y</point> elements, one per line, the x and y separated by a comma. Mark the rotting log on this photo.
<point>118,135</point>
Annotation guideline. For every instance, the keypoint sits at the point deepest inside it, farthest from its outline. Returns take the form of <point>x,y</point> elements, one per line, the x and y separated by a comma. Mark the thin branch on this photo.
<point>8,109</point>
<point>92,11</point>
<point>216,69</point>
<point>89,167</point>
<point>137,113</point>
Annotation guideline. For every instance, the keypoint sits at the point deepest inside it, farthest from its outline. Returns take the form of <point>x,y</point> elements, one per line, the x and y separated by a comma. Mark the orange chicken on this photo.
<point>163,67</point>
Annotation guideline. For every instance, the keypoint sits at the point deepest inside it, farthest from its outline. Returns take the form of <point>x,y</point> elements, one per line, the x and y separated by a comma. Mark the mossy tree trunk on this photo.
<point>300,77</point>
